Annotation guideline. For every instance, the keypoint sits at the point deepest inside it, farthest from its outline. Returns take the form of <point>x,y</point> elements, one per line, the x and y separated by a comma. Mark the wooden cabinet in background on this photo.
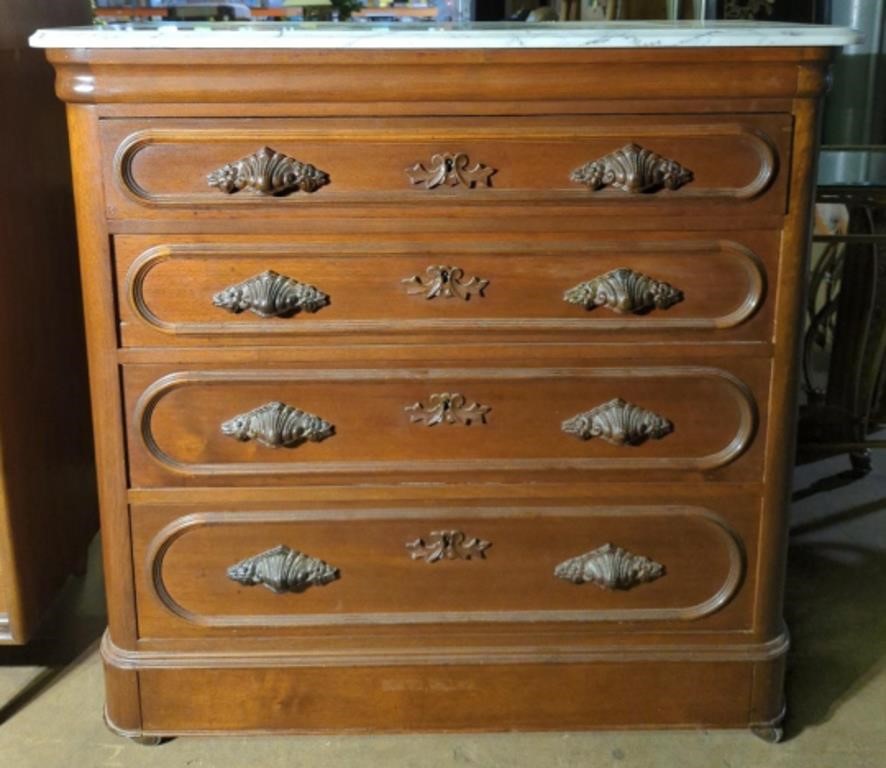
<point>48,509</point>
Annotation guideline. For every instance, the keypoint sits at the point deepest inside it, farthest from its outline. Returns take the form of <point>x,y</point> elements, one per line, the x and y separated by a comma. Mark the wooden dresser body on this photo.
<point>504,368</point>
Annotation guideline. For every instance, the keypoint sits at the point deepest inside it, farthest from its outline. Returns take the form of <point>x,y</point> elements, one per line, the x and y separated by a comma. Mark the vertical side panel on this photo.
<point>780,440</point>
<point>101,336</point>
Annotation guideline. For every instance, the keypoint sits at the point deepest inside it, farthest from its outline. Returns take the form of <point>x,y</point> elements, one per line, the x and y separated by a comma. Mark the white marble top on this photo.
<point>645,34</point>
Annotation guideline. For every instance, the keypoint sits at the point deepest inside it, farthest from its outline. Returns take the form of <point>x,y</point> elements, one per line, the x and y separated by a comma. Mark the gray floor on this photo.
<point>51,692</point>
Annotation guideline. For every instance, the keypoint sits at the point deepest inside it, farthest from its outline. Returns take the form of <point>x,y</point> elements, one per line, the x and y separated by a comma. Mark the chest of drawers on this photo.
<point>442,389</point>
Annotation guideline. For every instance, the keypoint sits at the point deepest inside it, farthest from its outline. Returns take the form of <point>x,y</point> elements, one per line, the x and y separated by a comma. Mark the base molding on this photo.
<point>185,694</point>
<point>443,656</point>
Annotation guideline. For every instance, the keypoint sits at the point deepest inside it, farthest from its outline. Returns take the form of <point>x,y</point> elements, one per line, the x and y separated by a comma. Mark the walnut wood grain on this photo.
<point>459,697</point>
<point>723,282</point>
<point>168,367</point>
<point>491,647</point>
<point>160,168</point>
<point>255,80</point>
<point>781,438</point>
<point>185,585</point>
<point>105,394</point>
<point>174,437</point>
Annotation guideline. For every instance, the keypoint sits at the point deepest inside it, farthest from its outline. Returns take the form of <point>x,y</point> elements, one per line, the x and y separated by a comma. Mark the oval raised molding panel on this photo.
<point>176,417</point>
<point>167,167</point>
<point>523,567</point>
<point>725,283</point>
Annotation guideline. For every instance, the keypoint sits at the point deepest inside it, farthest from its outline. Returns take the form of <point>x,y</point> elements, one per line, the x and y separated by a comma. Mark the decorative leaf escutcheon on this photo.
<point>282,569</point>
<point>276,424</point>
<point>270,295</point>
<point>609,567</point>
<point>618,423</point>
<point>451,545</point>
<point>267,172</point>
<point>448,408</point>
<point>623,290</point>
<point>451,170</point>
<point>632,169</point>
<point>447,282</point>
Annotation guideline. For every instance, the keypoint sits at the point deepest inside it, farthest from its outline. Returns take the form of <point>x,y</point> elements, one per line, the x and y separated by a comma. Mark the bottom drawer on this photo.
<point>272,572</point>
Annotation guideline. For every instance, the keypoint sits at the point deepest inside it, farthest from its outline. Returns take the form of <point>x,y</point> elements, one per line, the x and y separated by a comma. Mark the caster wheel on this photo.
<point>772,734</point>
<point>147,741</point>
<point>861,463</point>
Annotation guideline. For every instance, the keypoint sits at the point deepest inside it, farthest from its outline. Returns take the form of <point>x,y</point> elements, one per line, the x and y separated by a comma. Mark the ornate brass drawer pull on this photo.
<point>276,424</point>
<point>446,282</point>
<point>623,290</point>
<point>618,423</point>
<point>444,407</point>
<point>282,569</point>
<point>270,295</point>
<point>609,567</point>
<point>632,169</point>
<point>449,544</point>
<point>451,170</point>
<point>267,172</point>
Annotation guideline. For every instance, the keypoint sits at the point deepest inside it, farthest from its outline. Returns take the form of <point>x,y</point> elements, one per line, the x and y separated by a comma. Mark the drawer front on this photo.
<point>238,289</point>
<point>285,570</point>
<point>254,426</point>
<point>185,168</point>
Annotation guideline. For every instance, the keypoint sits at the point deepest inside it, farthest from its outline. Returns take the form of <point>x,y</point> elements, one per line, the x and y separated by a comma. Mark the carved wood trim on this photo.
<point>623,291</point>
<point>282,569</point>
<point>267,172</point>
<point>149,399</point>
<point>618,423</point>
<point>451,170</point>
<point>276,425</point>
<point>447,408</point>
<point>270,295</point>
<point>451,545</point>
<point>751,267</point>
<point>446,282</point>
<point>163,541</point>
<point>609,567</point>
<point>632,169</point>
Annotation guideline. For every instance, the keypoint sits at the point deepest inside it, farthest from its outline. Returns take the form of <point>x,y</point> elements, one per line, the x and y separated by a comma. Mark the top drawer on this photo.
<point>483,166</point>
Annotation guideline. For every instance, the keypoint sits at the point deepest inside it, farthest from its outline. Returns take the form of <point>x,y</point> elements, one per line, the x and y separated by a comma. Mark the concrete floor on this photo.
<point>51,692</point>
